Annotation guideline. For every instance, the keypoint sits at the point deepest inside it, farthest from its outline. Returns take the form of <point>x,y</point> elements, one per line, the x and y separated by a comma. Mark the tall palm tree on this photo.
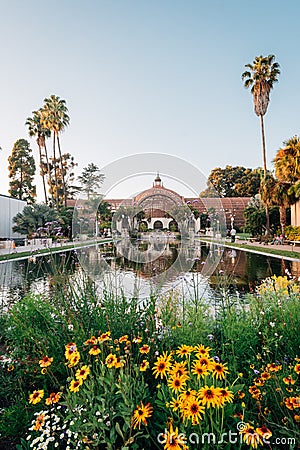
<point>36,129</point>
<point>261,76</point>
<point>56,119</point>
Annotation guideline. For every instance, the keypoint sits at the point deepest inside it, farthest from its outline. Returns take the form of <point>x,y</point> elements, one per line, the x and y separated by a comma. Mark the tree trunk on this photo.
<point>55,171</point>
<point>43,175</point>
<point>265,169</point>
<point>282,212</point>
<point>49,173</point>
<point>62,172</point>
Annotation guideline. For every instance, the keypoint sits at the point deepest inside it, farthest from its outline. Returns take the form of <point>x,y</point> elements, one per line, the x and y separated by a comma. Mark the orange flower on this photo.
<point>123,338</point>
<point>297,369</point>
<point>95,350</point>
<point>53,398</point>
<point>45,362</point>
<point>145,349</point>
<point>104,337</point>
<point>91,341</point>
<point>39,422</point>
<point>289,380</point>
<point>144,365</point>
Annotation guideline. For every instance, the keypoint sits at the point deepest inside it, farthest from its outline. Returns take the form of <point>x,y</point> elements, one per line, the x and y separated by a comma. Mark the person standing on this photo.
<point>233,234</point>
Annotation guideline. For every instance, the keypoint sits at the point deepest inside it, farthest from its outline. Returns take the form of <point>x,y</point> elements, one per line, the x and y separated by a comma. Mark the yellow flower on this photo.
<point>75,385</point>
<point>123,338</point>
<point>201,370</point>
<point>36,396</point>
<point>226,396</point>
<point>74,360</point>
<point>91,341</point>
<point>193,410</point>
<point>111,360</point>
<point>176,384</point>
<point>175,404</point>
<point>184,350</point>
<point>95,350</point>
<point>144,365</point>
<point>297,369</point>
<point>219,370</point>
<point>71,348</point>
<point>140,414</point>
<point>173,440</point>
<point>201,350</point>
<point>162,365</point>
<point>82,373</point>
<point>210,396</point>
<point>251,437</point>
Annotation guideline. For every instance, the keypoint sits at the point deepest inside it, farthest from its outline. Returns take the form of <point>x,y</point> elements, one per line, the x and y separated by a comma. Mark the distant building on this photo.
<point>295,214</point>
<point>9,208</point>
<point>158,199</point>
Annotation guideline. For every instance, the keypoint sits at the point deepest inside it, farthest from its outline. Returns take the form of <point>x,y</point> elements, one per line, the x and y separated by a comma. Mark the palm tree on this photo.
<point>261,76</point>
<point>277,193</point>
<point>287,161</point>
<point>36,129</point>
<point>56,119</point>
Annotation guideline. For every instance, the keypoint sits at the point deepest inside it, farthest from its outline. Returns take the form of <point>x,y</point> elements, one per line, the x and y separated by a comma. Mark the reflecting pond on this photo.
<point>141,268</point>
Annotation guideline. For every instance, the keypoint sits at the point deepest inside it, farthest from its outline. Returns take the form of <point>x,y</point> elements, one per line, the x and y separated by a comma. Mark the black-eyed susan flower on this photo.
<point>201,350</point>
<point>219,370</point>
<point>141,414</point>
<point>145,349</point>
<point>36,396</point>
<point>176,384</point>
<point>162,365</point>
<point>95,350</point>
<point>40,420</point>
<point>184,350</point>
<point>45,361</point>
<point>206,361</point>
<point>175,404</point>
<point>75,385</point>
<point>226,396</point>
<point>193,410</point>
<point>173,440</point>
<point>53,398</point>
<point>210,396</point>
<point>250,436</point>
<point>104,337</point>
<point>201,370</point>
<point>178,369</point>
<point>144,365</point>
<point>82,373</point>
<point>187,396</point>
<point>111,360</point>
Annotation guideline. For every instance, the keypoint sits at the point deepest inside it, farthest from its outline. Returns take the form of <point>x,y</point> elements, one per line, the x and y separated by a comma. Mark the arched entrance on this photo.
<point>173,226</point>
<point>158,225</point>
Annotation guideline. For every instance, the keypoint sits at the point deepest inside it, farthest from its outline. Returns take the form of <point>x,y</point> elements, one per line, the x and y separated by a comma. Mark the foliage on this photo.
<point>90,179</point>
<point>231,181</point>
<point>21,171</point>
<point>34,217</point>
<point>123,383</point>
<point>255,218</point>
<point>292,233</point>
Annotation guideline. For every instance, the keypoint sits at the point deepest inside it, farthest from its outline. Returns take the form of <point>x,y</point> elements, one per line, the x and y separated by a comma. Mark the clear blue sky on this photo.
<point>149,76</point>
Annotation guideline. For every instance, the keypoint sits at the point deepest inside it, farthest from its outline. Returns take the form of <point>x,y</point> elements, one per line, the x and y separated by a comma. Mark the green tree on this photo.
<point>237,181</point>
<point>37,130</point>
<point>65,177</point>
<point>287,161</point>
<point>90,179</point>
<point>21,172</point>
<point>261,76</point>
<point>34,217</point>
<point>55,119</point>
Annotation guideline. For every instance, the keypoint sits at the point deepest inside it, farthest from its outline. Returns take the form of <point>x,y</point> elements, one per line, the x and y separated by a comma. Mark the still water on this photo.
<point>141,268</point>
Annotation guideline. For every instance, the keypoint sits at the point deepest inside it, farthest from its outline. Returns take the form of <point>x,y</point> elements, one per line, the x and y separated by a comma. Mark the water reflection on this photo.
<point>137,271</point>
